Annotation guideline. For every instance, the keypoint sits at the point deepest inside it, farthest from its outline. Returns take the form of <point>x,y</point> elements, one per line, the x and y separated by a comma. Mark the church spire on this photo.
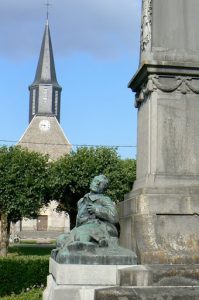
<point>46,67</point>
<point>47,9</point>
<point>45,92</point>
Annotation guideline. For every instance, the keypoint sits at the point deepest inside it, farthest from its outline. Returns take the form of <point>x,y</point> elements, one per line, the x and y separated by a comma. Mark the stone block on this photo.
<point>149,293</point>
<point>162,225</point>
<point>174,30</point>
<point>79,282</point>
<point>159,275</point>
<point>136,276</point>
<point>70,292</point>
<point>169,31</point>
<point>84,274</point>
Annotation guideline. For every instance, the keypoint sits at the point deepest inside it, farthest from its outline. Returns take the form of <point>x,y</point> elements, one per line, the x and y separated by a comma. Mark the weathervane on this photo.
<point>47,8</point>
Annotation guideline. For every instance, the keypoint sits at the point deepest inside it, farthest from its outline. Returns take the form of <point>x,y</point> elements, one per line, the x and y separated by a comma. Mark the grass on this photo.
<point>35,294</point>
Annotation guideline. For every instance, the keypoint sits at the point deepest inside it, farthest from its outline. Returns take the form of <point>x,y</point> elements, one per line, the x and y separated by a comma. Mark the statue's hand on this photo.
<point>91,208</point>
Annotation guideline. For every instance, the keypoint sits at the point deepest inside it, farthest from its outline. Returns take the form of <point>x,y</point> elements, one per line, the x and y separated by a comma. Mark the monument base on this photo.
<point>162,225</point>
<point>79,282</point>
<point>68,292</point>
<point>157,282</point>
<point>89,282</point>
<point>148,293</point>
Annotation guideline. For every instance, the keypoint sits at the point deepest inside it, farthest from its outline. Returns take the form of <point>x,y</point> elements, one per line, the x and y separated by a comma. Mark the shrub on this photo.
<point>35,294</point>
<point>30,250</point>
<point>19,273</point>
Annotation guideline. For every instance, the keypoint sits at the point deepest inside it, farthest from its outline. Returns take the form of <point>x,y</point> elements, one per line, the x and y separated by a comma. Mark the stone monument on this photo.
<point>160,216</point>
<point>89,257</point>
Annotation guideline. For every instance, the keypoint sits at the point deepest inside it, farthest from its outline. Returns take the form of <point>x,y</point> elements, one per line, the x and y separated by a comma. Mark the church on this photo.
<point>44,133</point>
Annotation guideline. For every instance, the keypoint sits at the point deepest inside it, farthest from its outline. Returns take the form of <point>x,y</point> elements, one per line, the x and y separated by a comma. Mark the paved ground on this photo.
<point>39,235</point>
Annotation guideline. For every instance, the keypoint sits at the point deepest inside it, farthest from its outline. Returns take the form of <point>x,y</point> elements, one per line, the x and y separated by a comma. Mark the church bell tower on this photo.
<point>45,92</point>
<point>44,133</point>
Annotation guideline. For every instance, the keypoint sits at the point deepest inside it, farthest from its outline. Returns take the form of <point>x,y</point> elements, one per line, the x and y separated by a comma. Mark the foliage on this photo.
<point>23,187</point>
<point>20,273</point>
<point>34,242</point>
<point>30,250</point>
<point>72,174</point>
<point>26,267</point>
<point>23,182</point>
<point>34,294</point>
<point>15,280</point>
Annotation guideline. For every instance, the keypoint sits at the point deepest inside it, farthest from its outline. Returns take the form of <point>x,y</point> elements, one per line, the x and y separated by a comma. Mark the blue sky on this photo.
<point>96,50</point>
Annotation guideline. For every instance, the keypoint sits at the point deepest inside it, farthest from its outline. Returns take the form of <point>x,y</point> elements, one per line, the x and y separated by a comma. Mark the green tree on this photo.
<point>72,174</point>
<point>23,187</point>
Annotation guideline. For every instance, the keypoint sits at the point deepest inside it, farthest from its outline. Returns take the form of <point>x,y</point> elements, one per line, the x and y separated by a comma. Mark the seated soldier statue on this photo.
<point>94,240</point>
<point>97,219</point>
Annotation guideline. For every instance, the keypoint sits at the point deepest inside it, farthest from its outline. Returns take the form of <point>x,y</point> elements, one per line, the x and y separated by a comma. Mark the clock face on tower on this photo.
<point>44,125</point>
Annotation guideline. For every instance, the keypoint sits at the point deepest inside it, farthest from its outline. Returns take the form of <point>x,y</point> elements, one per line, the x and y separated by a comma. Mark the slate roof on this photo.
<point>45,73</point>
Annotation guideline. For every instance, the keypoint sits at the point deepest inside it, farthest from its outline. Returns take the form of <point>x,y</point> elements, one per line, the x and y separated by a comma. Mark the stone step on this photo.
<point>148,293</point>
<point>159,275</point>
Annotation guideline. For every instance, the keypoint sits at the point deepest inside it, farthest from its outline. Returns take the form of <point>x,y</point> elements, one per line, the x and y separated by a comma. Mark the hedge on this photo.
<point>20,273</point>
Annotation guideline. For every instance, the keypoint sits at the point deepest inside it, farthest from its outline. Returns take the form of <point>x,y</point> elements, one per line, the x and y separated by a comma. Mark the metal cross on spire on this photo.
<point>47,4</point>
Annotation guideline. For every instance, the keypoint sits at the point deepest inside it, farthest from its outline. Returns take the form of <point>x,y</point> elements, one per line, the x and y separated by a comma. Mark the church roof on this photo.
<point>46,73</point>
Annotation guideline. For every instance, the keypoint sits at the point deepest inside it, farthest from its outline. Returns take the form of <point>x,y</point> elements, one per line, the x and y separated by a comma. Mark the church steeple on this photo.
<point>44,133</point>
<point>45,92</point>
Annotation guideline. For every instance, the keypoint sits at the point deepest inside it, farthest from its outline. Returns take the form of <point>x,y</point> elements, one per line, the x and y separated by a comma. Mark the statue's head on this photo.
<point>99,184</point>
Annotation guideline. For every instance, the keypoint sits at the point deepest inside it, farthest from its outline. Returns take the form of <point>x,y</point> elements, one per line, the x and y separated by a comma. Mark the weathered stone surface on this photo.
<point>170,31</point>
<point>152,282</point>
<point>67,292</point>
<point>167,130</point>
<point>66,274</point>
<point>79,282</point>
<point>136,276</point>
<point>160,275</point>
<point>150,293</point>
<point>161,225</point>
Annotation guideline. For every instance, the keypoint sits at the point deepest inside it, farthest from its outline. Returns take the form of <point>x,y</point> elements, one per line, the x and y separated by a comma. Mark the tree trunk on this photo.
<point>72,215</point>
<point>4,235</point>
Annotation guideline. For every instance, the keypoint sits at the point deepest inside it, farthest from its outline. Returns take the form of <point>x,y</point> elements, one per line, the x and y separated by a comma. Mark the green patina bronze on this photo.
<point>95,237</point>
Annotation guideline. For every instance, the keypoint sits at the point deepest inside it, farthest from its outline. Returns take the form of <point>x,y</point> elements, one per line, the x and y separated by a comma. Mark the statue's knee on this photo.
<point>103,242</point>
<point>62,240</point>
<point>82,237</point>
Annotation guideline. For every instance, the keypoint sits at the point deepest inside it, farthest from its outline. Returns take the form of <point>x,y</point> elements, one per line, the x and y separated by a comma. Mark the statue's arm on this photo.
<point>107,211</point>
<point>79,219</point>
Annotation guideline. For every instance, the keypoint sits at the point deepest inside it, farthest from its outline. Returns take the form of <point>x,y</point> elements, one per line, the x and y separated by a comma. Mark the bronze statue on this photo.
<point>94,240</point>
<point>97,217</point>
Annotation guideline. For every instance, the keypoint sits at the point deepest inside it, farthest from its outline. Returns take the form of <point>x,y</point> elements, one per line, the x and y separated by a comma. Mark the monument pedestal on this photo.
<point>157,282</point>
<point>162,225</point>
<point>73,282</point>
<point>160,217</point>
<point>79,282</point>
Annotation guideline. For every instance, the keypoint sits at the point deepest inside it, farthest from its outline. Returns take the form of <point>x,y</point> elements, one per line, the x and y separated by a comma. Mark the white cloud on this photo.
<point>104,28</point>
